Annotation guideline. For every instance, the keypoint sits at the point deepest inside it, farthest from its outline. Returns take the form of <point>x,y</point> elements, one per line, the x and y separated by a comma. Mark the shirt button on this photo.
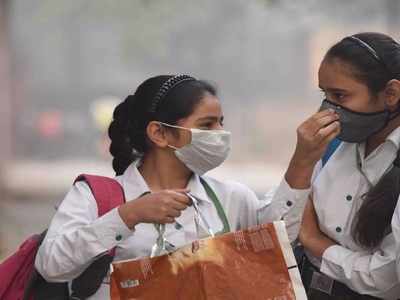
<point>349,197</point>
<point>338,229</point>
<point>178,226</point>
<point>118,237</point>
<point>289,203</point>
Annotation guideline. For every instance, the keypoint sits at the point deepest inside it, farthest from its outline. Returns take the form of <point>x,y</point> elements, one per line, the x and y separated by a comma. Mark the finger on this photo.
<point>323,113</point>
<point>318,121</point>
<point>178,205</point>
<point>180,197</point>
<point>328,131</point>
<point>330,137</point>
<point>325,121</point>
<point>167,220</point>
<point>174,213</point>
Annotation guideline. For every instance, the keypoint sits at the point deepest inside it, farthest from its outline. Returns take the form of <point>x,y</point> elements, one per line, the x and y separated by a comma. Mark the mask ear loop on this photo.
<point>174,126</point>
<point>168,125</point>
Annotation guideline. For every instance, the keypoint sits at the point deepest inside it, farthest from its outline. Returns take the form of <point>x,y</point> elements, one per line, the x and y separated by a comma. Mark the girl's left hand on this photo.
<point>311,236</point>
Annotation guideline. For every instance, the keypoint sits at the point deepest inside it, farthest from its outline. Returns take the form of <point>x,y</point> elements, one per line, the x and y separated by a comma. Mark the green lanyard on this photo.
<point>161,242</point>
<point>218,206</point>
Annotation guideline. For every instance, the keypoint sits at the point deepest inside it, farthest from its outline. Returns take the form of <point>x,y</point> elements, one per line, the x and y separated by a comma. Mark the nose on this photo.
<point>218,126</point>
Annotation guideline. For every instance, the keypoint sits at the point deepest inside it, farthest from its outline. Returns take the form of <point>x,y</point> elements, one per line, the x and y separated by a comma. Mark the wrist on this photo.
<point>317,244</point>
<point>128,215</point>
<point>299,173</point>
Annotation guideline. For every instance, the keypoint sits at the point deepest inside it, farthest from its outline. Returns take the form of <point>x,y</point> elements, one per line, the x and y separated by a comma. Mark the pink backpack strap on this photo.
<point>107,192</point>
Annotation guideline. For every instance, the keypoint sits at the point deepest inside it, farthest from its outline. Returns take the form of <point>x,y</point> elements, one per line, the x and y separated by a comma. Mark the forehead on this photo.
<point>208,106</point>
<point>335,73</point>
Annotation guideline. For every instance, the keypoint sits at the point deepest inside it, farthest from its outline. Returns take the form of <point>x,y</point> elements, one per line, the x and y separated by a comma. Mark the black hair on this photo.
<point>127,130</point>
<point>372,220</point>
<point>366,68</point>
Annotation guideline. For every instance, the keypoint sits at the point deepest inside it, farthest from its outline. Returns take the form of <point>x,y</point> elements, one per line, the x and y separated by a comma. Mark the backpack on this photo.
<point>18,277</point>
<point>332,146</point>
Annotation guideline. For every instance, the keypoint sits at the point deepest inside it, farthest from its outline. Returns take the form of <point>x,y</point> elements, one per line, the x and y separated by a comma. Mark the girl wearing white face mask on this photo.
<point>164,138</point>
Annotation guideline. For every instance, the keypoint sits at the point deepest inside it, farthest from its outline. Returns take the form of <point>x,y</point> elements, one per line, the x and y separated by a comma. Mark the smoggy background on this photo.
<point>64,65</point>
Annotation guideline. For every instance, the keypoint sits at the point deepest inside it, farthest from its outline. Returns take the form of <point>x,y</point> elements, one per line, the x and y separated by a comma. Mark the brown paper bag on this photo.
<point>251,264</point>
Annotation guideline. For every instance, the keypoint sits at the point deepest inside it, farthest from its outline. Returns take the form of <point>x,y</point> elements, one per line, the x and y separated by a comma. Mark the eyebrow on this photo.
<point>209,118</point>
<point>332,89</point>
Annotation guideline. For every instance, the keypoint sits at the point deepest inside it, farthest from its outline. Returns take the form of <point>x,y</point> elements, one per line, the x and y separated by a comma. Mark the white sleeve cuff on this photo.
<point>284,203</point>
<point>110,229</point>
<point>332,261</point>
<point>290,193</point>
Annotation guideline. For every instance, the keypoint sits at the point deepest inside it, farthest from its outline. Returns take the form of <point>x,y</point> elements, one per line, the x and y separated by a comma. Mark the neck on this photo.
<point>375,140</point>
<point>163,171</point>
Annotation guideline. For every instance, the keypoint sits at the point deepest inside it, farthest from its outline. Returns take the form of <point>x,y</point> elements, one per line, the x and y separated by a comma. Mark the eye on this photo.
<point>335,96</point>
<point>338,96</point>
<point>206,125</point>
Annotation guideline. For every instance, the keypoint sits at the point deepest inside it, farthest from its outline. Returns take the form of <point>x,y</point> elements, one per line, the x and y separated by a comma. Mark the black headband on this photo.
<point>166,88</point>
<point>371,51</point>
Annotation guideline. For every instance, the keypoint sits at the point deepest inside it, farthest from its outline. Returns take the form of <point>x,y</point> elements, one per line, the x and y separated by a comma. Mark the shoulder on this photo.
<point>79,198</point>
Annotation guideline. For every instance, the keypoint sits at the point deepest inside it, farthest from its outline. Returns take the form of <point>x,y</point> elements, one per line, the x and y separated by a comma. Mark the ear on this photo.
<point>392,94</point>
<point>156,133</point>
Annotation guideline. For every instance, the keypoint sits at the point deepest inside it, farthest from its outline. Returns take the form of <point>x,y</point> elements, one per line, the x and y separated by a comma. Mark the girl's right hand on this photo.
<point>159,207</point>
<point>313,137</point>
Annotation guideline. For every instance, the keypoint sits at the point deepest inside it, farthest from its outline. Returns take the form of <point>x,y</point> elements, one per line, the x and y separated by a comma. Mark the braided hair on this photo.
<point>163,98</point>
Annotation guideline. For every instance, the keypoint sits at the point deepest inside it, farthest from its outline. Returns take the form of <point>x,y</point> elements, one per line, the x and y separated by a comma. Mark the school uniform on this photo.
<point>337,190</point>
<point>396,234</point>
<point>77,236</point>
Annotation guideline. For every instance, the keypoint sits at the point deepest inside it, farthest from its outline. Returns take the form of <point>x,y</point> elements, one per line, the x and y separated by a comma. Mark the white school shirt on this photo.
<point>396,234</point>
<point>336,190</point>
<point>76,236</point>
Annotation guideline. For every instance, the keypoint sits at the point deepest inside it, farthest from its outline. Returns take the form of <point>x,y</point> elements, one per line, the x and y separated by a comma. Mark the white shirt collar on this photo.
<point>134,184</point>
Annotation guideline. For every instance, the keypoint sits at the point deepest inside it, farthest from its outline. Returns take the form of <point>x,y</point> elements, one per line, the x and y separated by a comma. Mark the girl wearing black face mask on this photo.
<point>346,226</point>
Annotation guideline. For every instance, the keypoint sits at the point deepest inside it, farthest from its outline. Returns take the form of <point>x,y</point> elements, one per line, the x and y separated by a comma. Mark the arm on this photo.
<point>76,236</point>
<point>289,200</point>
<point>365,272</point>
<point>396,235</point>
<point>284,203</point>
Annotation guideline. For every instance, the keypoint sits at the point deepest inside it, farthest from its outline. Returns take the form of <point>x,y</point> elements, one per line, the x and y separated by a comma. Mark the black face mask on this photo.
<point>356,127</point>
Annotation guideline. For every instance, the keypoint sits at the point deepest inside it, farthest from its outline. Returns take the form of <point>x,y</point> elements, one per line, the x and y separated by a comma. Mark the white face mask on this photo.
<point>207,150</point>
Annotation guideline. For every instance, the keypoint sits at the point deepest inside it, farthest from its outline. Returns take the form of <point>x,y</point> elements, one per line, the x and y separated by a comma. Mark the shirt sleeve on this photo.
<point>396,235</point>
<point>241,209</point>
<point>76,236</point>
<point>287,204</point>
<point>366,273</point>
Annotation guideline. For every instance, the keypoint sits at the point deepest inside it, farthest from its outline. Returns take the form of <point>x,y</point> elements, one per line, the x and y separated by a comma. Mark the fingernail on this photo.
<point>331,110</point>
